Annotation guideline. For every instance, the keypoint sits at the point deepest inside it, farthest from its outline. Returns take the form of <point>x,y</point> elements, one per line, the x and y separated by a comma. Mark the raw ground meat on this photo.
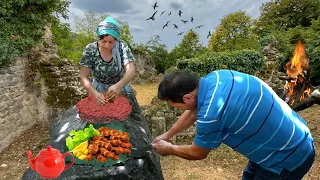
<point>90,111</point>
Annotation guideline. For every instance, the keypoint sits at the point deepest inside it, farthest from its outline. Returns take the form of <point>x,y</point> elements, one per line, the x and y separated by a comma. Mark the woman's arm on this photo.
<point>186,120</point>
<point>84,78</point>
<point>115,89</point>
<point>129,75</point>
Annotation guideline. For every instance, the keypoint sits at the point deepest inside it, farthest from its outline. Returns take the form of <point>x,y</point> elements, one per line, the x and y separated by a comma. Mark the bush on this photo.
<point>8,53</point>
<point>22,22</point>
<point>246,61</point>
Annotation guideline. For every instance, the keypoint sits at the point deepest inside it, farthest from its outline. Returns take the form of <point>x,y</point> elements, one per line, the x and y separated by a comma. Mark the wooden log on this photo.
<point>308,102</point>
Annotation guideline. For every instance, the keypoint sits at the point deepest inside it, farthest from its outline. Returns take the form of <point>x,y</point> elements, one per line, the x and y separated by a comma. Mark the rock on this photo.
<point>4,165</point>
<point>147,168</point>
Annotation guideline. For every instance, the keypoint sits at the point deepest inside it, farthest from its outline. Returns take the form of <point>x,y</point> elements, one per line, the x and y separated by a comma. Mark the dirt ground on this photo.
<point>223,163</point>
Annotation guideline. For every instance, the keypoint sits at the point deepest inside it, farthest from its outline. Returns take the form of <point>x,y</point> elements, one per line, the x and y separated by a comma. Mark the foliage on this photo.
<point>159,54</point>
<point>7,53</point>
<point>87,25</point>
<point>247,61</point>
<point>126,34</point>
<point>188,48</point>
<point>235,32</point>
<point>286,14</point>
<point>285,42</point>
<point>313,51</point>
<point>22,22</point>
<point>70,45</point>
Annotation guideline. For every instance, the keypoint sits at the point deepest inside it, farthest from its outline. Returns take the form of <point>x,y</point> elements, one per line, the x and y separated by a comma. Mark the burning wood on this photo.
<point>298,86</point>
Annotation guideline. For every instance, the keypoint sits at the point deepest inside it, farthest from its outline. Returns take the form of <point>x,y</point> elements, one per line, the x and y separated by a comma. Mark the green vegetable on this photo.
<point>77,137</point>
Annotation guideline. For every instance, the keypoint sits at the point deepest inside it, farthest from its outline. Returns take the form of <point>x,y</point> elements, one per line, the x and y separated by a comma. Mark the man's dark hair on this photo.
<point>174,86</point>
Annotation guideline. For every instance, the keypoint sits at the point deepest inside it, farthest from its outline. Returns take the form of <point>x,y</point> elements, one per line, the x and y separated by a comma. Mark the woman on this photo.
<point>111,61</point>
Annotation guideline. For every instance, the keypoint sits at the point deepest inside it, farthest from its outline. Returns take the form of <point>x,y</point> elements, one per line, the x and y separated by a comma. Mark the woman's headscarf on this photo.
<point>110,26</point>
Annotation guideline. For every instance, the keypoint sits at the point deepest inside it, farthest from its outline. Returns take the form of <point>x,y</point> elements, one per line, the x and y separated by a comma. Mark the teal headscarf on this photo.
<point>110,26</point>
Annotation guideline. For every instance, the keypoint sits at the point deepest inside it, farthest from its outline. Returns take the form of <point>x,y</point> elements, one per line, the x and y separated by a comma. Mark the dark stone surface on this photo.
<point>147,168</point>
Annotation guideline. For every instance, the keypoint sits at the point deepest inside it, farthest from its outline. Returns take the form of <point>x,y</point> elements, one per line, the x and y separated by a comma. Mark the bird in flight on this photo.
<point>170,13</point>
<point>165,25</point>
<point>184,21</point>
<point>155,5</point>
<point>152,17</point>
<point>180,12</point>
<point>192,19</point>
<point>175,26</point>
<point>162,13</point>
<point>180,33</point>
<point>209,35</point>
<point>198,27</point>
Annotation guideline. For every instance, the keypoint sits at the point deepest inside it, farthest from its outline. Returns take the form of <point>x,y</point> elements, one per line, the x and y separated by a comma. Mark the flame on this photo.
<point>295,71</point>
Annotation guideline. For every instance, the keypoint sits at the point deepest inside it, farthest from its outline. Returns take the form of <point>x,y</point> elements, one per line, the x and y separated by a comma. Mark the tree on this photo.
<point>235,32</point>
<point>22,22</point>
<point>285,14</point>
<point>188,47</point>
<point>88,26</point>
<point>159,54</point>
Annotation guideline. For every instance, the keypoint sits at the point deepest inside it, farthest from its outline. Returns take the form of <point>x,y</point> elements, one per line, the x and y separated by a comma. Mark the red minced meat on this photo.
<point>90,111</point>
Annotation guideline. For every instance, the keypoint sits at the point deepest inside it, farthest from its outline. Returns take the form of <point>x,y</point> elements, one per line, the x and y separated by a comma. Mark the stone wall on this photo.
<point>18,103</point>
<point>161,117</point>
<point>270,74</point>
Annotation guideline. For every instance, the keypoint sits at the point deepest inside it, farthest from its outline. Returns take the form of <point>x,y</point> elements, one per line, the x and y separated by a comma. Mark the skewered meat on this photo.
<point>90,157</point>
<point>93,149</point>
<point>110,144</point>
<point>95,138</point>
<point>101,158</point>
<point>118,150</point>
<point>124,138</point>
<point>126,151</point>
<point>107,145</point>
<point>126,145</point>
<point>115,157</point>
<point>115,142</point>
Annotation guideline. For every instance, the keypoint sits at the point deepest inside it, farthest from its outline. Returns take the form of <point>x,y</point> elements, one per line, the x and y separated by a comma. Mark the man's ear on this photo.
<point>188,99</point>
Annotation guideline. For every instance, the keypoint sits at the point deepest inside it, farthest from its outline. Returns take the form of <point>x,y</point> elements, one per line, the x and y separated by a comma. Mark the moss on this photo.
<point>58,97</point>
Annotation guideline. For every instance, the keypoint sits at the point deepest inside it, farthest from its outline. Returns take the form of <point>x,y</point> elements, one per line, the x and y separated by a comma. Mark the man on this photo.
<point>242,112</point>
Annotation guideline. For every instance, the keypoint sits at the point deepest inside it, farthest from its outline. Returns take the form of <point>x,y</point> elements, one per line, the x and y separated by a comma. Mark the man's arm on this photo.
<point>190,152</point>
<point>186,120</point>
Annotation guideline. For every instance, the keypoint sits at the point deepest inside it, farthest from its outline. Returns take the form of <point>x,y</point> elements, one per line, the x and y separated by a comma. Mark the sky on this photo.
<point>205,12</point>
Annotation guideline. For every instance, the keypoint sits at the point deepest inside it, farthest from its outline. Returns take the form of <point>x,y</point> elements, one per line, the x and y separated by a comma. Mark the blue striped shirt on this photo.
<point>244,113</point>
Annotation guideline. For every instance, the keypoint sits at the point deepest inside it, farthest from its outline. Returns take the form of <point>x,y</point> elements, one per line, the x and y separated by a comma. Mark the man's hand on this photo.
<point>100,100</point>
<point>162,147</point>
<point>190,152</point>
<point>113,92</point>
<point>163,136</point>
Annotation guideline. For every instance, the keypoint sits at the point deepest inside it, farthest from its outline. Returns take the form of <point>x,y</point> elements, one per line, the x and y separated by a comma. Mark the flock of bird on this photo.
<point>174,25</point>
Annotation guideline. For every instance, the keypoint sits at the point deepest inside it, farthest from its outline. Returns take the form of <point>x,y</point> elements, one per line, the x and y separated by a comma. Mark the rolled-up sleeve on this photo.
<point>127,55</point>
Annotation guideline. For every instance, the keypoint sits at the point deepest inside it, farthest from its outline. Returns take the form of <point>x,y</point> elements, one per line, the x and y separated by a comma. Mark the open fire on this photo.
<point>298,86</point>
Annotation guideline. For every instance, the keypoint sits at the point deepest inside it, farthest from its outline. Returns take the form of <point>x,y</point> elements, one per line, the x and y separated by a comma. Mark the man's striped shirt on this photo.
<point>244,113</point>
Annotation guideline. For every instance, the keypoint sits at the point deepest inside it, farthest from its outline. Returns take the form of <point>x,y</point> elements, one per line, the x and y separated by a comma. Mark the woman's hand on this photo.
<point>113,92</point>
<point>100,99</point>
